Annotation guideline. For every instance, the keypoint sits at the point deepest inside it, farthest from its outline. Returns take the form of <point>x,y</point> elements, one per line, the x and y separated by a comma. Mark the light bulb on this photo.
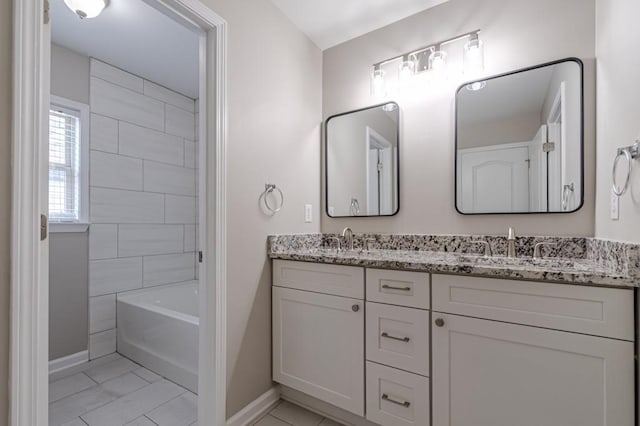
<point>476,85</point>
<point>407,69</point>
<point>378,88</point>
<point>438,63</point>
<point>86,8</point>
<point>473,55</point>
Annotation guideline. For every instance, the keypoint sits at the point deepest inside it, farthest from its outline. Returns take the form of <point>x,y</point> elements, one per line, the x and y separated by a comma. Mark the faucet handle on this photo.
<point>337,240</point>
<point>487,247</point>
<point>538,246</point>
<point>512,234</point>
<point>368,241</point>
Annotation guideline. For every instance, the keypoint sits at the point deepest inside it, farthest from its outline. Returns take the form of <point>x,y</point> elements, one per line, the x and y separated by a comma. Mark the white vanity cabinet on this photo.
<point>318,331</point>
<point>507,353</point>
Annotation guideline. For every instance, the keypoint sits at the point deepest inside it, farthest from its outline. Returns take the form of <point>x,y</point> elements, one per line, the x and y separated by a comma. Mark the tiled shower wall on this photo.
<point>143,189</point>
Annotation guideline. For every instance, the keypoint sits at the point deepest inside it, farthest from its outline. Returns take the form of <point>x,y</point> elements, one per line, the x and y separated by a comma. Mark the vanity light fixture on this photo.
<point>378,86</point>
<point>431,58</point>
<point>407,69</point>
<point>473,54</point>
<point>86,8</point>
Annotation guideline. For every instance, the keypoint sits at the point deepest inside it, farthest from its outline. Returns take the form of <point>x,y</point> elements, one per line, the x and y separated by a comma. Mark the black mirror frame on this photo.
<point>326,165</point>
<point>455,147</point>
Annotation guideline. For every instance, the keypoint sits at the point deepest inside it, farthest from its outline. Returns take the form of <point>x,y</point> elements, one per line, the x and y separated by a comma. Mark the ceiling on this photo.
<point>132,35</point>
<point>331,22</point>
<point>515,95</point>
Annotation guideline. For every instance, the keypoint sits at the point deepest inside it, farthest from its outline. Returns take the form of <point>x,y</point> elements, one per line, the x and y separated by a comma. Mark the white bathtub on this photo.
<point>158,328</point>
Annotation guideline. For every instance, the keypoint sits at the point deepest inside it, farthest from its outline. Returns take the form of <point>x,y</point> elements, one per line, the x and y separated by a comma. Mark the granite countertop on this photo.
<point>584,269</point>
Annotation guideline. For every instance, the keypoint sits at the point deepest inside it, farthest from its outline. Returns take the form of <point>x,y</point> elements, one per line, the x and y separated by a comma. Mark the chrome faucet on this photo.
<point>486,247</point>
<point>511,243</point>
<point>347,234</point>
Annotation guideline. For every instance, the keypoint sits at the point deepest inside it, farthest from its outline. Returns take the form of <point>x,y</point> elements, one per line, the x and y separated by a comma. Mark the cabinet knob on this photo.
<point>439,322</point>
<point>355,308</point>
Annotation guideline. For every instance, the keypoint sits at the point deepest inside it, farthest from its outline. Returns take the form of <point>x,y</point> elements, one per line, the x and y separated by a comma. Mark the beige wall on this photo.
<point>6,29</point>
<point>69,74</point>
<point>68,293</point>
<point>517,33</point>
<point>618,67</point>
<point>274,136</point>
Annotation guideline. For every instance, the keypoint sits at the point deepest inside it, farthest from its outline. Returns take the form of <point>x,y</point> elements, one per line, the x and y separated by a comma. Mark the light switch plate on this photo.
<point>615,206</point>
<point>308,213</point>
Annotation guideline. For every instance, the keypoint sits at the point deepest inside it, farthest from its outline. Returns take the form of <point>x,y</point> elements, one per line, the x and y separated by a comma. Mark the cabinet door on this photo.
<point>318,346</point>
<point>487,373</point>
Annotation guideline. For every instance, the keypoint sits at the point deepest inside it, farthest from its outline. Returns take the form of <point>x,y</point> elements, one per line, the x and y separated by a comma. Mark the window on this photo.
<point>68,191</point>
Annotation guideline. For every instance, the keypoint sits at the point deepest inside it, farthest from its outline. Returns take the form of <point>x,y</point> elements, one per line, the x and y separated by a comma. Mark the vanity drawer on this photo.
<point>402,288</point>
<point>398,337</point>
<point>597,311</point>
<point>338,280</point>
<point>395,397</point>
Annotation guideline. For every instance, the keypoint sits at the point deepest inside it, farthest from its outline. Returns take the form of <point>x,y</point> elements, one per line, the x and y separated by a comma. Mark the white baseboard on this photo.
<point>68,361</point>
<point>323,408</point>
<point>256,409</point>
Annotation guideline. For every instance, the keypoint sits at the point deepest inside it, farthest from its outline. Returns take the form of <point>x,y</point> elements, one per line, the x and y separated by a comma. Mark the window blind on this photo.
<point>64,165</point>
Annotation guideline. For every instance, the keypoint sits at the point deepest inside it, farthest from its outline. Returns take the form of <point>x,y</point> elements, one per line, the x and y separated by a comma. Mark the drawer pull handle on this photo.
<point>390,287</point>
<point>401,339</point>
<point>393,401</point>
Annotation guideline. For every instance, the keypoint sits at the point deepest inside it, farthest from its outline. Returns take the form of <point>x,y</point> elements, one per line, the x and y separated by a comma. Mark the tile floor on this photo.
<point>288,414</point>
<point>115,391</point>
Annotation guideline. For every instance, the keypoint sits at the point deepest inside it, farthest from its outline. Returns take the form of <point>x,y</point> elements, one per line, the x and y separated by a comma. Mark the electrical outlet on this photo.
<point>615,206</point>
<point>308,213</point>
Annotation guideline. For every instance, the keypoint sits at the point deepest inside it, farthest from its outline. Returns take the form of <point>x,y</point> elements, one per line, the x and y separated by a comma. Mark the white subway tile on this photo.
<point>166,269</point>
<point>141,142</point>
<point>116,75</point>
<point>145,240</point>
<point>104,133</point>
<point>169,96</point>
<point>114,275</point>
<point>115,171</point>
<point>179,209</point>
<point>169,179</point>
<point>119,206</point>
<point>189,238</point>
<point>126,105</point>
<point>101,344</point>
<point>102,313</point>
<point>190,154</point>
<point>103,241</point>
<point>180,122</point>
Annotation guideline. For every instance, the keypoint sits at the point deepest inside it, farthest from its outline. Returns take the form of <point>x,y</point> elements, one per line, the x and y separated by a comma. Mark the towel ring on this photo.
<point>268,189</point>
<point>629,153</point>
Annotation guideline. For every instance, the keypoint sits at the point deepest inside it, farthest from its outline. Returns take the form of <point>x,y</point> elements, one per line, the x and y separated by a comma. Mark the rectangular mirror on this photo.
<point>362,149</point>
<point>519,141</point>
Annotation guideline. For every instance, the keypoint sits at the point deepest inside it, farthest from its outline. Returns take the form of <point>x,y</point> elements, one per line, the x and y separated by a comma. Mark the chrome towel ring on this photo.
<point>269,188</point>
<point>630,153</point>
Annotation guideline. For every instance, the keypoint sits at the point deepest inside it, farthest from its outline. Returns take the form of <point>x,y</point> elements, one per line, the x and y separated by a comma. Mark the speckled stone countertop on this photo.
<point>583,261</point>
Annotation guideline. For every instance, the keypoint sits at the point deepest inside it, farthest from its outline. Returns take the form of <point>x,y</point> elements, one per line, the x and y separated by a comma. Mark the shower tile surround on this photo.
<point>574,260</point>
<point>143,193</point>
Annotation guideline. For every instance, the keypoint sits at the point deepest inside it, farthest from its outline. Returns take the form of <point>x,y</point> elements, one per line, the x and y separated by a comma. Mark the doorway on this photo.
<point>30,239</point>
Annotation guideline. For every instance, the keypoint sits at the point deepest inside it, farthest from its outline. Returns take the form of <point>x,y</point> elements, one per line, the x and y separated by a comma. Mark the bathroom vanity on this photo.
<point>419,337</point>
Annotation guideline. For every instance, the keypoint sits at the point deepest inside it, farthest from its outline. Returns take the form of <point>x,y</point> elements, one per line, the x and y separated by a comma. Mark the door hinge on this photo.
<point>44,222</point>
<point>46,12</point>
<point>380,166</point>
<point>548,147</point>
<point>199,257</point>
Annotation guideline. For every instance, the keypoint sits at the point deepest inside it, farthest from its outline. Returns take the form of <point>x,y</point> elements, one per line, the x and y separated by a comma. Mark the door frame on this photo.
<point>29,267</point>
